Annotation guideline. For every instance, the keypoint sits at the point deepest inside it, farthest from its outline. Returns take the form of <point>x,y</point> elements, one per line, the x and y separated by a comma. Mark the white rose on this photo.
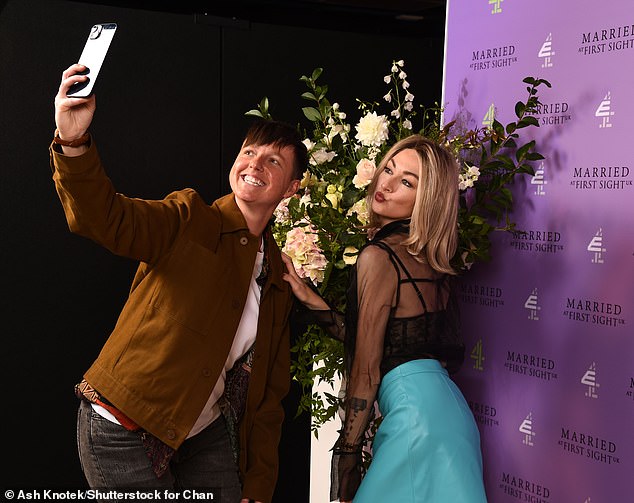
<point>365,172</point>
<point>321,156</point>
<point>372,129</point>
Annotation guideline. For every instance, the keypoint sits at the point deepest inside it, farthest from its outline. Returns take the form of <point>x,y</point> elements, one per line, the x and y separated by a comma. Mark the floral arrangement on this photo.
<point>323,227</point>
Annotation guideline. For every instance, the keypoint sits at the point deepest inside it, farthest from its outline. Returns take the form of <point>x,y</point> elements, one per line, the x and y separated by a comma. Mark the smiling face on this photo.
<point>396,186</point>
<point>261,176</point>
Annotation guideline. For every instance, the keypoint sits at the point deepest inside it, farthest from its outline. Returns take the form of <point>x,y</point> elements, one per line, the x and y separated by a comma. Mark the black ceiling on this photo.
<point>424,18</point>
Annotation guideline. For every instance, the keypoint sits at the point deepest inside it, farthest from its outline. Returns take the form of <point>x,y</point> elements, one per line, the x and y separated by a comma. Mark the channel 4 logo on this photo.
<point>547,52</point>
<point>604,111</point>
<point>596,246</point>
<point>589,379</point>
<point>539,181</point>
<point>477,355</point>
<point>526,427</point>
<point>497,6</point>
<point>489,117</point>
<point>532,306</point>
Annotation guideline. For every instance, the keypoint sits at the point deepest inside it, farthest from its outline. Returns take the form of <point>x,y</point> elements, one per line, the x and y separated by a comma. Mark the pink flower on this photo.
<point>302,246</point>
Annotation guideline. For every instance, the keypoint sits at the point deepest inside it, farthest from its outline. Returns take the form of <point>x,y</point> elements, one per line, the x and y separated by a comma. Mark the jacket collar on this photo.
<point>232,220</point>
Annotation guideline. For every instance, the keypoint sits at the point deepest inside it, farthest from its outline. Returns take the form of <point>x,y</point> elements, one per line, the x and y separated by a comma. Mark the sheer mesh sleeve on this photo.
<point>330,320</point>
<point>376,289</point>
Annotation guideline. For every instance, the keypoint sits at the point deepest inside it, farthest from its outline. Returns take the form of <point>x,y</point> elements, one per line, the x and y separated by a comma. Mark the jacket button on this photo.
<point>206,372</point>
<point>171,434</point>
<point>244,240</point>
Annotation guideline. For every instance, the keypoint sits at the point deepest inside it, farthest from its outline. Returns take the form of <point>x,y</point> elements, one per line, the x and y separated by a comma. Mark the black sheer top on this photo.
<point>398,309</point>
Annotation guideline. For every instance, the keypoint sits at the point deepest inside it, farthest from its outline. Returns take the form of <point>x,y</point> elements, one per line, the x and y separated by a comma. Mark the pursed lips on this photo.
<point>379,197</point>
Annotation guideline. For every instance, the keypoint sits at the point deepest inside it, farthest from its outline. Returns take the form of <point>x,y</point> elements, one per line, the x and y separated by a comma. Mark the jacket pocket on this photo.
<point>193,284</point>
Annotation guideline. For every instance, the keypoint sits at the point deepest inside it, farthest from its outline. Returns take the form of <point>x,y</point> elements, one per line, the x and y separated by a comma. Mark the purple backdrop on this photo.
<point>549,323</point>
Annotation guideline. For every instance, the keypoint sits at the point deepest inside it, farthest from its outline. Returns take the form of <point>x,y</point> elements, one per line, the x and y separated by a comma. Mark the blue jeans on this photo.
<point>114,458</point>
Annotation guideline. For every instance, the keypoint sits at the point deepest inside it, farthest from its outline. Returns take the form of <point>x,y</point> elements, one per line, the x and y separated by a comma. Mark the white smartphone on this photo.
<point>92,57</point>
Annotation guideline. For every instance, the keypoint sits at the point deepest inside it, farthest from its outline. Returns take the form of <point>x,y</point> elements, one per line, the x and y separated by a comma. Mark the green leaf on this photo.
<point>254,113</point>
<point>498,127</point>
<point>529,120</point>
<point>316,73</point>
<point>312,114</point>
<point>309,96</point>
<point>510,142</point>
<point>322,91</point>
<point>520,108</point>
<point>523,150</point>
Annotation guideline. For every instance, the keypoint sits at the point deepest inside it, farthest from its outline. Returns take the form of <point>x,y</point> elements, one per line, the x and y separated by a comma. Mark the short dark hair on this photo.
<point>280,134</point>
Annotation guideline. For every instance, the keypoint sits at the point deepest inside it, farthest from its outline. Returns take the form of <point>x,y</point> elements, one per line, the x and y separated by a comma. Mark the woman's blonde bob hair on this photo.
<point>433,231</point>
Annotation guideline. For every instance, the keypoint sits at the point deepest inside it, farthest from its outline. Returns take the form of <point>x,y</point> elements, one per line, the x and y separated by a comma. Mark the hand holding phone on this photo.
<point>92,58</point>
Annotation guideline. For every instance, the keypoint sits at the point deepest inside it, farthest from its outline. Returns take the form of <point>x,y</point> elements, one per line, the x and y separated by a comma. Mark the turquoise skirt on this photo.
<point>427,448</point>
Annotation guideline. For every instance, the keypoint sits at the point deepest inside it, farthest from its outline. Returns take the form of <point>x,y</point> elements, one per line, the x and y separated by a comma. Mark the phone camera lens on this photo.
<point>95,31</point>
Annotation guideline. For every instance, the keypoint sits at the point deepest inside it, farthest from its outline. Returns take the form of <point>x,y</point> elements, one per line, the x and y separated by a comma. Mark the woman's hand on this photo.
<point>73,116</point>
<point>300,289</point>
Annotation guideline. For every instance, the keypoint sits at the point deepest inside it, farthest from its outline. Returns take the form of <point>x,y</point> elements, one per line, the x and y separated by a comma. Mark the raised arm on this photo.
<point>73,116</point>
<point>139,229</point>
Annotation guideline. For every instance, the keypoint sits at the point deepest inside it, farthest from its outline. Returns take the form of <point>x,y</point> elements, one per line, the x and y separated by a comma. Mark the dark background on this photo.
<point>171,99</point>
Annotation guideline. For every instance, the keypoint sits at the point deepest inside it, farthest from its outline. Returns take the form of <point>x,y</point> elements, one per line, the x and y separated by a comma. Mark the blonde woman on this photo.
<point>402,339</point>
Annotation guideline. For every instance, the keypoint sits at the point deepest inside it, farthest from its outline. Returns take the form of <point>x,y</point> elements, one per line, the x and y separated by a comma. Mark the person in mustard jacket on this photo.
<point>186,392</point>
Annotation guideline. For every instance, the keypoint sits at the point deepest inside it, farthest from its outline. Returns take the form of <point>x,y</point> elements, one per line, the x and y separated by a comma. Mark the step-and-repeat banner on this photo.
<point>549,322</point>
